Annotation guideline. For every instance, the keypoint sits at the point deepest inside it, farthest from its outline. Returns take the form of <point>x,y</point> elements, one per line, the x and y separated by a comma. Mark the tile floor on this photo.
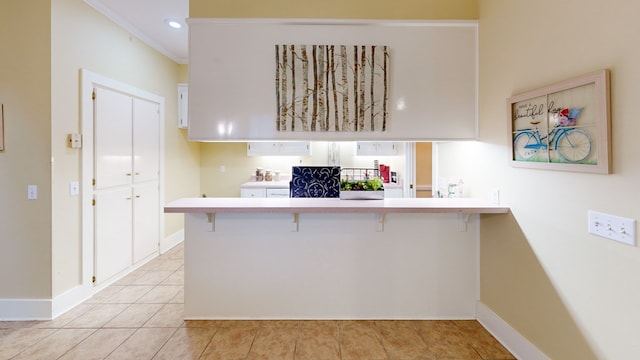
<point>140,317</point>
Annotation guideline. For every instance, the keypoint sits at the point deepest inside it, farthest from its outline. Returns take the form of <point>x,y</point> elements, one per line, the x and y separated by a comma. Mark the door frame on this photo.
<point>89,80</point>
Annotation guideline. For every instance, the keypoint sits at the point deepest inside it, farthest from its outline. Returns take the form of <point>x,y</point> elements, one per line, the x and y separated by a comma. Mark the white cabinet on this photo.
<point>278,193</point>
<point>283,148</point>
<point>183,108</point>
<point>126,192</point>
<point>253,192</point>
<point>395,192</point>
<point>376,148</point>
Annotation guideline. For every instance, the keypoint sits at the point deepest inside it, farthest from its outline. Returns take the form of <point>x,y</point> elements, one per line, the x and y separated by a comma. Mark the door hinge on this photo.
<point>93,279</point>
<point>93,95</point>
<point>93,202</point>
<point>93,182</point>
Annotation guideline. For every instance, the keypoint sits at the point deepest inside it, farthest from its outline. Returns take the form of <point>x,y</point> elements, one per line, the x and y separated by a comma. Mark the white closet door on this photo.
<point>113,148</point>
<point>146,140</point>
<point>113,231</point>
<point>146,220</point>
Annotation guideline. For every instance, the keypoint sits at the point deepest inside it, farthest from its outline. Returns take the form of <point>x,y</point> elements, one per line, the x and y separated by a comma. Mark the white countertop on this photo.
<point>285,185</point>
<point>265,185</point>
<point>324,205</point>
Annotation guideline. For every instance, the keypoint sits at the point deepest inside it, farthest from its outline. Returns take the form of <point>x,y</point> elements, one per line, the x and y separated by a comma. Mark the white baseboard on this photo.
<point>171,241</point>
<point>517,344</point>
<point>70,299</point>
<point>25,309</point>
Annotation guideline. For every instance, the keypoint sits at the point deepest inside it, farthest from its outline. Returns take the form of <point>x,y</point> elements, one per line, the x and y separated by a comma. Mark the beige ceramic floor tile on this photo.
<point>230,343</point>
<point>316,323</point>
<point>186,344</point>
<point>179,298</point>
<point>280,323</point>
<point>67,317</point>
<point>318,342</point>
<point>55,345</point>
<point>134,316</point>
<point>445,341</point>
<point>241,323</point>
<point>99,345</point>
<point>168,264</point>
<point>130,278</point>
<point>105,294</point>
<point>403,342</point>
<point>98,316</point>
<point>160,294</point>
<point>19,324</point>
<point>201,323</point>
<point>360,340</point>
<point>129,294</point>
<point>20,339</point>
<point>143,344</point>
<point>176,278</point>
<point>274,343</point>
<point>152,277</point>
<point>482,341</point>
<point>170,315</point>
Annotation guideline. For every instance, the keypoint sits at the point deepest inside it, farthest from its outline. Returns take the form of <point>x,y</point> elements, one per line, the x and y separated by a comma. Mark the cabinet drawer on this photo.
<point>277,193</point>
<point>253,193</point>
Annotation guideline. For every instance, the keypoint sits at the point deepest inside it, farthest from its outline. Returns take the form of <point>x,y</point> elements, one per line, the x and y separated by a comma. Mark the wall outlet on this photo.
<point>612,227</point>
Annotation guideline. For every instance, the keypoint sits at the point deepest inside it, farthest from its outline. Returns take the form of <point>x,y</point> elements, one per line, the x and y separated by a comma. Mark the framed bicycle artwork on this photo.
<point>564,126</point>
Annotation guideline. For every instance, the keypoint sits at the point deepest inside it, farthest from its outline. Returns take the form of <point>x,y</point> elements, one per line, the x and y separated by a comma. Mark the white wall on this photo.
<point>574,295</point>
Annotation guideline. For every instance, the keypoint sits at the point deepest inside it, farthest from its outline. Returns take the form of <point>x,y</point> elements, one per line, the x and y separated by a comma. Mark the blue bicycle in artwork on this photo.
<point>571,144</point>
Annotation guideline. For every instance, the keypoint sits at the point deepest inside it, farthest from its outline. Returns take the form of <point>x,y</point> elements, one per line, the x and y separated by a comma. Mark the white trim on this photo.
<point>25,309</point>
<point>70,299</point>
<point>172,240</point>
<point>517,344</point>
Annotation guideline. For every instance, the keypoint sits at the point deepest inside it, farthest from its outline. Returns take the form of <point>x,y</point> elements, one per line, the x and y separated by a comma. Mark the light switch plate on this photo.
<point>32,192</point>
<point>612,227</point>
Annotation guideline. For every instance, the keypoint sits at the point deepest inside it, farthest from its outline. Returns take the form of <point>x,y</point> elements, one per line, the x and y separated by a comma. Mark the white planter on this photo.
<point>362,195</point>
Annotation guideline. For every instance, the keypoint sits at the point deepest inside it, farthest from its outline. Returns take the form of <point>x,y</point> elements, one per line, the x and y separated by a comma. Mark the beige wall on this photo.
<point>45,45</point>
<point>572,294</point>
<point>25,91</point>
<point>82,38</point>
<point>336,9</point>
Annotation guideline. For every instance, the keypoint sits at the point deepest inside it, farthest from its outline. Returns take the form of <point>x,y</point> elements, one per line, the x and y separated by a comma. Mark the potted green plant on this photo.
<point>368,189</point>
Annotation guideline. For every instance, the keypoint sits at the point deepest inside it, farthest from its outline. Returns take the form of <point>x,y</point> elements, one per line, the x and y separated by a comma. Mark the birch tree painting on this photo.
<point>332,87</point>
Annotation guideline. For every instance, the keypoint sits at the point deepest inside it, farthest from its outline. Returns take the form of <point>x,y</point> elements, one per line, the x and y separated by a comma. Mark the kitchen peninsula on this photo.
<point>301,258</point>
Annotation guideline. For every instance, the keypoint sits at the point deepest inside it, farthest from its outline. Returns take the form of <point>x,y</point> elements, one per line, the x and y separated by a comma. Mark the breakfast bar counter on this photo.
<point>297,258</point>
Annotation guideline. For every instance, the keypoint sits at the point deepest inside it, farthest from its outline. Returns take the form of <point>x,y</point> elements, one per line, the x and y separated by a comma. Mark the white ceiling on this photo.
<point>145,19</point>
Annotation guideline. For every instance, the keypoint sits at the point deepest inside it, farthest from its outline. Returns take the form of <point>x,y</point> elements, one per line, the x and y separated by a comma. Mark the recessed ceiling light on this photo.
<point>173,23</point>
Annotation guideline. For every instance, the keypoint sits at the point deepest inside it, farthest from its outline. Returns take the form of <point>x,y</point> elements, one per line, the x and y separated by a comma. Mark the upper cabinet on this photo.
<point>286,148</point>
<point>247,77</point>
<point>183,108</point>
<point>376,148</point>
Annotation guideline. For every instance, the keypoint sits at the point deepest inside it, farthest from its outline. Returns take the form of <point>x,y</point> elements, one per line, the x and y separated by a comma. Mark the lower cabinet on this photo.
<point>253,192</point>
<point>393,192</point>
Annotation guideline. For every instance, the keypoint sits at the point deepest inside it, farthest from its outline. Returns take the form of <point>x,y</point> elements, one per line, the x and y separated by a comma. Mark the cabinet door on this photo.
<point>112,232</point>
<point>146,220</point>
<point>113,118</point>
<point>253,192</point>
<point>376,148</point>
<point>295,148</point>
<point>146,140</point>
<point>183,106</point>
<point>262,148</point>
<point>286,148</point>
